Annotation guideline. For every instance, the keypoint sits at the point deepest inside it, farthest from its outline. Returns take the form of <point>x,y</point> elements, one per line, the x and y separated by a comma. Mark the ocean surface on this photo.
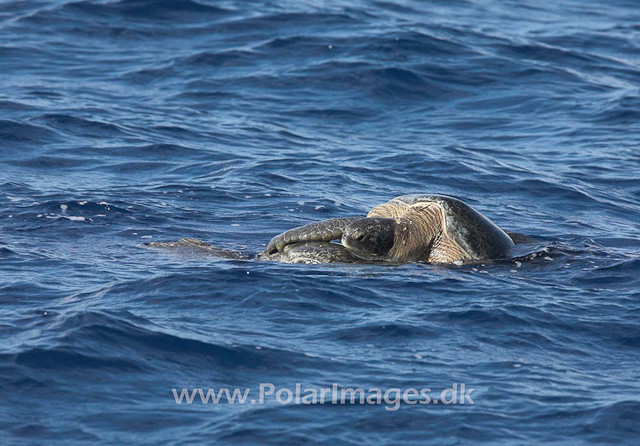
<point>126,122</point>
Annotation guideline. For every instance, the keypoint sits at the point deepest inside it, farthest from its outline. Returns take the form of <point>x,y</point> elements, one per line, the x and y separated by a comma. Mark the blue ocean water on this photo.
<point>124,122</point>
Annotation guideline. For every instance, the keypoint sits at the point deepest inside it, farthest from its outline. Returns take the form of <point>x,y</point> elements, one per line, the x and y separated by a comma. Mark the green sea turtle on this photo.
<point>410,228</point>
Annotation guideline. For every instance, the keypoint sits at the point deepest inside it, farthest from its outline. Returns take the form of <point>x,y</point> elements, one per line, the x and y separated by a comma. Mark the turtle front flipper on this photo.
<point>322,231</point>
<point>311,253</point>
<point>196,246</point>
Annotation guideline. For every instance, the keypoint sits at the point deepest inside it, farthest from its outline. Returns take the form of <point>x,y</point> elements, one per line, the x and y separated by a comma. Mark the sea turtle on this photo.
<point>410,228</point>
<point>304,252</point>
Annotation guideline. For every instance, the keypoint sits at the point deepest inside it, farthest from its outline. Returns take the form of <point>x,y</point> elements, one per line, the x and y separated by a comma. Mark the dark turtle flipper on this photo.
<point>195,246</point>
<point>322,231</point>
<point>311,253</point>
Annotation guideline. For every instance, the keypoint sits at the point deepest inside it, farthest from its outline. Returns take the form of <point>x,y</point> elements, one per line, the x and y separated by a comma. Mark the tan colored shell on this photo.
<point>421,232</point>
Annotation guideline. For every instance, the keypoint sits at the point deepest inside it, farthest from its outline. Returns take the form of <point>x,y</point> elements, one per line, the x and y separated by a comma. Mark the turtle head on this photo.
<point>370,238</point>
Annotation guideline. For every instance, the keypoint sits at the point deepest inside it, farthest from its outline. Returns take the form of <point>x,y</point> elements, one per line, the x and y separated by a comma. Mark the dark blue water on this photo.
<point>124,122</point>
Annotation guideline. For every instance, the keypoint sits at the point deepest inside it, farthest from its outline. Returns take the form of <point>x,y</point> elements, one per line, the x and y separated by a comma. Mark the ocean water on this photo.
<point>125,122</point>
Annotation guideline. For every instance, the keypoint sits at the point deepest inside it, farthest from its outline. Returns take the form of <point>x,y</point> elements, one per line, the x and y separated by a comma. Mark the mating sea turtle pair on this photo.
<point>410,228</point>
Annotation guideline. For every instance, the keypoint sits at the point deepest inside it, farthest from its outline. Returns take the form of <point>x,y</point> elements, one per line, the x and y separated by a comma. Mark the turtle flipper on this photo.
<point>318,252</point>
<point>322,231</point>
<point>196,246</point>
<point>311,253</point>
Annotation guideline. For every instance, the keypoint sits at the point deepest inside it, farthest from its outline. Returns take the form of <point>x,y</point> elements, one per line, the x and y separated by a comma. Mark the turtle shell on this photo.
<point>475,233</point>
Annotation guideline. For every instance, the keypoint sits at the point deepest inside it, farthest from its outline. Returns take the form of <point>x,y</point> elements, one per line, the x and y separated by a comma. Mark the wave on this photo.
<point>23,132</point>
<point>134,10</point>
<point>272,21</point>
<point>80,126</point>
<point>383,333</point>
<point>617,416</point>
<point>118,342</point>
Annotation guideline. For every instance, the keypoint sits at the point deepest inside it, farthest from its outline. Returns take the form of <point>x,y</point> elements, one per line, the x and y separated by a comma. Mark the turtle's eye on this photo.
<point>359,237</point>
